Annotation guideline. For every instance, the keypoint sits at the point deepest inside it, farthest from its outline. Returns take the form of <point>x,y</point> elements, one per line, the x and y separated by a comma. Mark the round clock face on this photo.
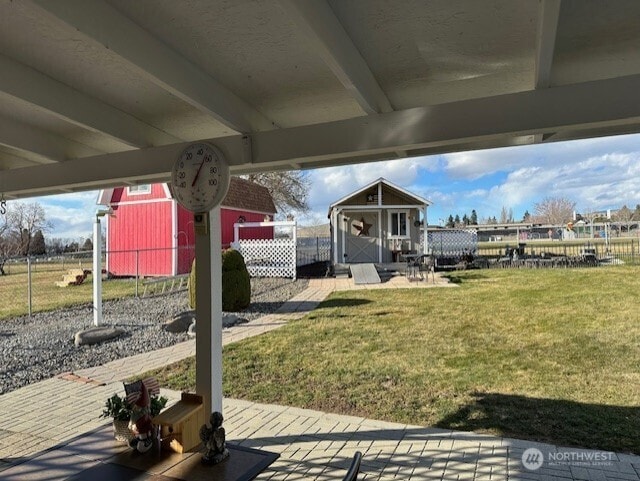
<point>200,177</point>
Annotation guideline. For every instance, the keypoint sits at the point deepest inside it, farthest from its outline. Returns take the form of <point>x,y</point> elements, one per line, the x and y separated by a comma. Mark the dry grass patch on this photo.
<point>46,296</point>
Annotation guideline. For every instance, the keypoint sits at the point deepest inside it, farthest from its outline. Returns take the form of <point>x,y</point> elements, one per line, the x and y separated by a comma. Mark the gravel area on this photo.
<point>39,347</point>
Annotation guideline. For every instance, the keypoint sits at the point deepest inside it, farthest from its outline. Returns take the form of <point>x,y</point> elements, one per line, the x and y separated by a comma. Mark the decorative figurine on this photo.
<point>138,397</point>
<point>213,439</point>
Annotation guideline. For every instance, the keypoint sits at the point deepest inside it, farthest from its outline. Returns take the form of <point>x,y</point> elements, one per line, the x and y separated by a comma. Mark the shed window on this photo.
<point>139,189</point>
<point>398,223</point>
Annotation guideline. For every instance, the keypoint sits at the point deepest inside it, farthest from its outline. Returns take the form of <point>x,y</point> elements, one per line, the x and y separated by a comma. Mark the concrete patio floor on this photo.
<point>40,423</point>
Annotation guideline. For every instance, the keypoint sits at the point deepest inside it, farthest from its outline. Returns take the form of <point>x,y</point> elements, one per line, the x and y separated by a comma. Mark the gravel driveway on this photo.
<point>39,347</point>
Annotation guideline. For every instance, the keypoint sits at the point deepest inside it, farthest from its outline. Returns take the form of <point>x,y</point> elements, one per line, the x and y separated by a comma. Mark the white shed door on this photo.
<point>361,239</point>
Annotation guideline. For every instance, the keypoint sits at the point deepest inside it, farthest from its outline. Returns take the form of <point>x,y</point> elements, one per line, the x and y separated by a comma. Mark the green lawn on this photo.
<point>550,355</point>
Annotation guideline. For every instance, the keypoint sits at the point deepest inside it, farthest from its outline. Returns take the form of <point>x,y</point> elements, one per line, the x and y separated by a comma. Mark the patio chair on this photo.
<point>427,264</point>
<point>354,469</point>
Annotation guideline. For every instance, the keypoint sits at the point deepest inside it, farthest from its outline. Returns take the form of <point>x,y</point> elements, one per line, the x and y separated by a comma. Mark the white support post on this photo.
<point>97,273</point>
<point>343,228</point>
<point>336,229</point>
<point>295,249</point>
<point>236,233</point>
<point>425,233</point>
<point>380,240</point>
<point>209,313</point>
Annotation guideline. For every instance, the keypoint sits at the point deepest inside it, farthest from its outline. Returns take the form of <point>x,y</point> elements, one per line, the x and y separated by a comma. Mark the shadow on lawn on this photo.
<point>461,277</point>
<point>331,303</point>
<point>565,423</point>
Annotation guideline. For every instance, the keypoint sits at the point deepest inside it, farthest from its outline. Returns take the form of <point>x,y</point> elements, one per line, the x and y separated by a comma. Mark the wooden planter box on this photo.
<point>180,424</point>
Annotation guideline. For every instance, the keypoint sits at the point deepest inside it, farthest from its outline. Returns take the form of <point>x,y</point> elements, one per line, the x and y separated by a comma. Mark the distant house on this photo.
<point>377,224</point>
<point>152,235</point>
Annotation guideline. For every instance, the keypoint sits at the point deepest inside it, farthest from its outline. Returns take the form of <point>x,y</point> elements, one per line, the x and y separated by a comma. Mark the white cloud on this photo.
<point>72,215</point>
<point>331,184</point>
<point>477,164</point>
<point>599,182</point>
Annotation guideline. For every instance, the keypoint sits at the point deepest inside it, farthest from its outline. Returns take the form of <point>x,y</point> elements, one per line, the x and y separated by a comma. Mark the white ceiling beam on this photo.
<point>34,87</point>
<point>157,61</point>
<point>316,20</point>
<point>549,14</point>
<point>546,41</point>
<point>9,160</point>
<point>39,144</point>
<point>612,104</point>
<point>150,165</point>
<point>599,103</point>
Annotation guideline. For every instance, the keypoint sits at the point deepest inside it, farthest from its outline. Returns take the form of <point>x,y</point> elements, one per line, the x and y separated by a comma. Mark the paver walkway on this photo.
<point>312,444</point>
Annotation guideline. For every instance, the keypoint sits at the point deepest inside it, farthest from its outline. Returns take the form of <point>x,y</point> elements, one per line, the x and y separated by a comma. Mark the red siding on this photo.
<point>143,231</point>
<point>228,217</point>
<point>143,224</point>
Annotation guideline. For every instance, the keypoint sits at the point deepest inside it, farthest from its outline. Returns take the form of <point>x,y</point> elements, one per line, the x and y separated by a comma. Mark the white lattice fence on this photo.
<point>269,257</point>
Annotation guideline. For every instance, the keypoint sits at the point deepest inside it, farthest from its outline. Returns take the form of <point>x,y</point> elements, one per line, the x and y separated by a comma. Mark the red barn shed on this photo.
<point>152,235</point>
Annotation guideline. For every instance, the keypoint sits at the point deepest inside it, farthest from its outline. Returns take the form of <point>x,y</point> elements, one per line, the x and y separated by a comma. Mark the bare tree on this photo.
<point>8,247</point>
<point>23,220</point>
<point>624,215</point>
<point>554,210</point>
<point>289,189</point>
<point>506,216</point>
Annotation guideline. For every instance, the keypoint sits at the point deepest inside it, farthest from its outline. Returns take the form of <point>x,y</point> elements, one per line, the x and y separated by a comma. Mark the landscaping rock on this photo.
<point>38,347</point>
<point>228,320</point>
<point>180,323</point>
<point>95,335</point>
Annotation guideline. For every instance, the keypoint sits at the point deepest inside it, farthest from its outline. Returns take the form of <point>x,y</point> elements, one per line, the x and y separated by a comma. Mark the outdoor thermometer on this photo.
<point>200,177</point>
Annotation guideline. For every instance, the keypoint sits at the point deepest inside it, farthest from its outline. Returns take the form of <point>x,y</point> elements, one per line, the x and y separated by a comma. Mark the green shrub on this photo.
<point>192,285</point>
<point>236,283</point>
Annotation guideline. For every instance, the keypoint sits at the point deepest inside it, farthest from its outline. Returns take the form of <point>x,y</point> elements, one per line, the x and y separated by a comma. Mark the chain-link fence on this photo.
<point>34,284</point>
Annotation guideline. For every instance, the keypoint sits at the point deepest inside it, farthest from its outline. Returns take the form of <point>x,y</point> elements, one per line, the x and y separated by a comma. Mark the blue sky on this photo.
<point>595,173</point>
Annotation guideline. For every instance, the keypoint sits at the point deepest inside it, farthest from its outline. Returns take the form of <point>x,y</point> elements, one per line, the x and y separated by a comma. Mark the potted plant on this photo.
<point>117,408</point>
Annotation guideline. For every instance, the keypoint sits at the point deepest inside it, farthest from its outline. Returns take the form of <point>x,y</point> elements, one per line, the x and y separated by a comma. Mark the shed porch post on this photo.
<point>425,238</point>
<point>209,312</point>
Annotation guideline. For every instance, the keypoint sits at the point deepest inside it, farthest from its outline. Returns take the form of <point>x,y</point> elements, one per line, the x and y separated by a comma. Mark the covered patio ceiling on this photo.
<point>96,93</point>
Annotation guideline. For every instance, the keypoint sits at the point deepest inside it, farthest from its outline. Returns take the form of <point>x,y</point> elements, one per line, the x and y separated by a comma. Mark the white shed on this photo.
<point>377,223</point>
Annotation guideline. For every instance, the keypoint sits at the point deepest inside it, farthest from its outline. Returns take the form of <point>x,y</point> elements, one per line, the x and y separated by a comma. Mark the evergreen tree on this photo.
<point>456,221</point>
<point>465,219</point>
<point>37,245</point>
<point>72,247</point>
<point>450,222</point>
<point>473,220</point>
<point>88,245</point>
<point>526,217</point>
<point>636,213</point>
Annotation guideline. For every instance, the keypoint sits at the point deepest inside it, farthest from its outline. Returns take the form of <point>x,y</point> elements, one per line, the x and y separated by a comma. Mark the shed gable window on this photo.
<point>139,189</point>
<point>398,223</point>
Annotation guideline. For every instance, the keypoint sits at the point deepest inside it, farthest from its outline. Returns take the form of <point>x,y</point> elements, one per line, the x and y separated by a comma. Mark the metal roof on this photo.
<point>98,93</point>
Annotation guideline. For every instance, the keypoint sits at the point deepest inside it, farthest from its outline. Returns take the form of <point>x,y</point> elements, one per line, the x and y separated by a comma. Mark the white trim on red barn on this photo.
<point>147,201</point>
<point>174,237</point>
